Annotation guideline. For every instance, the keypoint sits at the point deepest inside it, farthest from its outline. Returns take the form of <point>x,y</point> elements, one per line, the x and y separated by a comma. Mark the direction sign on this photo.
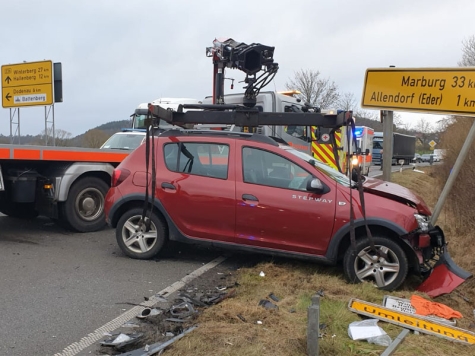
<point>437,90</point>
<point>432,143</point>
<point>27,84</point>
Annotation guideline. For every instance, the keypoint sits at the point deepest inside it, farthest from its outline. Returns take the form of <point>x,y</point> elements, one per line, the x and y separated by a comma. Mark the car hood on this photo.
<point>395,192</point>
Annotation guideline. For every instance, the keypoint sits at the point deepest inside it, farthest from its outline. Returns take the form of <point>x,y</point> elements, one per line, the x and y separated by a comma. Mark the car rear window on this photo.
<point>205,159</point>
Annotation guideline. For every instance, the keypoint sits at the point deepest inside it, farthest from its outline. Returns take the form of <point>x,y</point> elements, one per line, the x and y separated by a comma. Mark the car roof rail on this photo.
<point>222,133</point>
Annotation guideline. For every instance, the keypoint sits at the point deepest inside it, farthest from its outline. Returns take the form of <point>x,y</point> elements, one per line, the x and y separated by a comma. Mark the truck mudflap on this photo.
<point>444,278</point>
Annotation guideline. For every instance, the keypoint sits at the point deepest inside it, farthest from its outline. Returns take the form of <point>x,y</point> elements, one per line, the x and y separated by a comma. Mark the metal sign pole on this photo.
<point>454,173</point>
<point>387,145</point>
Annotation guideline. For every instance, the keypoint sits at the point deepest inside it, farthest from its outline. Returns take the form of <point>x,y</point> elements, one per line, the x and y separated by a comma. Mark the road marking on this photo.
<point>98,334</point>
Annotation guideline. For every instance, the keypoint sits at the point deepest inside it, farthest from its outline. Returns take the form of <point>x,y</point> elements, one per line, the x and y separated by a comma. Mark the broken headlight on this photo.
<point>423,221</point>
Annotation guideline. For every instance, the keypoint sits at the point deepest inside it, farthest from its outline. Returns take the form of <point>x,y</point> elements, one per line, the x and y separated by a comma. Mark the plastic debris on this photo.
<point>262,274</point>
<point>241,318</point>
<point>182,310</point>
<point>370,331</point>
<point>149,312</point>
<point>274,297</point>
<point>267,304</point>
<point>120,340</point>
<point>130,325</point>
<point>175,320</point>
<point>259,322</point>
<point>157,348</point>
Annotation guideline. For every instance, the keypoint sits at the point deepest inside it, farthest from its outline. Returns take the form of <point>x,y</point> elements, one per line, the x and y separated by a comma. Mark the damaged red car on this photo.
<point>248,192</point>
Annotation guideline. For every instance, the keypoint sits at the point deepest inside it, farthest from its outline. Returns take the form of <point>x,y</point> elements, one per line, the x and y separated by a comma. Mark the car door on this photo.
<point>274,210</point>
<point>197,188</point>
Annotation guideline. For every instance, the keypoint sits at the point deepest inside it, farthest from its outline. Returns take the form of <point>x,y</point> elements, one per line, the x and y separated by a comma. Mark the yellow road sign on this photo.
<point>437,90</point>
<point>432,143</point>
<point>27,84</point>
<point>411,321</point>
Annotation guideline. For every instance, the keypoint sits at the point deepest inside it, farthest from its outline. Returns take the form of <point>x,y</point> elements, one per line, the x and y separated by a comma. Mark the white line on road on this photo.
<point>98,334</point>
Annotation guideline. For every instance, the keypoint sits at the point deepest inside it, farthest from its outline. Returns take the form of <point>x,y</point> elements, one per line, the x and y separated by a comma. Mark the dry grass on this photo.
<point>283,333</point>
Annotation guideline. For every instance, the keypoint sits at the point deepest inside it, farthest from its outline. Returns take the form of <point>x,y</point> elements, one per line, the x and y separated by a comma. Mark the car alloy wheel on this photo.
<point>135,240</point>
<point>386,266</point>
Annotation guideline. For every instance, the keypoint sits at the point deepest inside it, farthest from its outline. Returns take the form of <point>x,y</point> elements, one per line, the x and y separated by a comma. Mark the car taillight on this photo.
<point>118,176</point>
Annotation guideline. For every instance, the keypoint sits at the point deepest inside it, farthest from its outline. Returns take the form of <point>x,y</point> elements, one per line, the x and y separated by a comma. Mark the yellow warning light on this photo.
<point>48,186</point>
<point>289,92</point>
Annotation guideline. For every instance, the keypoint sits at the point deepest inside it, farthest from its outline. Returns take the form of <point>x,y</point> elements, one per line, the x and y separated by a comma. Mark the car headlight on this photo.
<point>423,222</point>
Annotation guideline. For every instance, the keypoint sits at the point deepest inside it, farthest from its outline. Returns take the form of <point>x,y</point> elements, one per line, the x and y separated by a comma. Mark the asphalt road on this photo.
<point>375,171</point>
<point>57,287</point>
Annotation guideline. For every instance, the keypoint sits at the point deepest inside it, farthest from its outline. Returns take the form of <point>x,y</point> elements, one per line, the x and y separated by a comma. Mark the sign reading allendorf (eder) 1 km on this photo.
<point>438,90</point>
<point>27,84</point>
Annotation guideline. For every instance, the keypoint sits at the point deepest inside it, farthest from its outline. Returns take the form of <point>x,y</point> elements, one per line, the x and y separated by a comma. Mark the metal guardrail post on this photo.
<point>313,322</point>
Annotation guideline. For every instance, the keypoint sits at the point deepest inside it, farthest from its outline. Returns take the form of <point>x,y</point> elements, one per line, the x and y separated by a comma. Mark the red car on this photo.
<point>246,191</point>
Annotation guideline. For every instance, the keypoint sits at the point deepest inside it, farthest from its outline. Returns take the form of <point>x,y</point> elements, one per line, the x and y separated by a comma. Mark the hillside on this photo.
<point>107,129</point>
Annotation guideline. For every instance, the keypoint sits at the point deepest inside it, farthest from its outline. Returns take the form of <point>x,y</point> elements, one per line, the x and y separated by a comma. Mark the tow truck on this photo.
<point>67,185</point>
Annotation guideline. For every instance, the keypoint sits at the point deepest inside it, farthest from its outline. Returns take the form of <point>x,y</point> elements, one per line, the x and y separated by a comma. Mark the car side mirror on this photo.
<point>315,185</point>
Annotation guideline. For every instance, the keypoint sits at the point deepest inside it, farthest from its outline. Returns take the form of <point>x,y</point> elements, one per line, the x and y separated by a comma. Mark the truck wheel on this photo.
<point>134,241</point>
<point>20,210</point>
<point>364,264</point>
<point>84,208</point>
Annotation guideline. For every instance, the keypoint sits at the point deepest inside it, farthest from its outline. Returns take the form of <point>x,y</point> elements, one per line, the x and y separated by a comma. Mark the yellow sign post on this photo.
<point>411,321</point>
<point>435,90</point>
<point>27,84</point>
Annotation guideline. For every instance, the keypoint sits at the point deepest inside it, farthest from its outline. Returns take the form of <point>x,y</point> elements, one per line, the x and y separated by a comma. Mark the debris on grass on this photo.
<point>267,304</point>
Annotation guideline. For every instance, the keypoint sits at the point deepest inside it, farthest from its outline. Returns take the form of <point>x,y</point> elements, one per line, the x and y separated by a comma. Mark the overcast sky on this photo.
<point>117,54</point>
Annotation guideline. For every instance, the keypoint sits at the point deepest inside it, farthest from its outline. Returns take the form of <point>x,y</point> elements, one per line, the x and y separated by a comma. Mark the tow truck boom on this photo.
<point>244,116</point>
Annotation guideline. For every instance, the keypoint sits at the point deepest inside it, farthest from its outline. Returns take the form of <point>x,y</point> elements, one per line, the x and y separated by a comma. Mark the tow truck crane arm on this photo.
<point>245,116</point>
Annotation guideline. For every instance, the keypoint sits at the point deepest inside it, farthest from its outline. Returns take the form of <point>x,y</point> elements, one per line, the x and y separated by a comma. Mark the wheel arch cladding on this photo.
<point>378,227</point>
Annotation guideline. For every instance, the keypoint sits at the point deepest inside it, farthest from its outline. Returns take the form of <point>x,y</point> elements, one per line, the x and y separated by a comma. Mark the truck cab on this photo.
<point>141,112</point>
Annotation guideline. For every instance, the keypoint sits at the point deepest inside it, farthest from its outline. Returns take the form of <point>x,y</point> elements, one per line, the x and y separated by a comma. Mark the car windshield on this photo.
<point>322,167</point>
<point>124,141</point>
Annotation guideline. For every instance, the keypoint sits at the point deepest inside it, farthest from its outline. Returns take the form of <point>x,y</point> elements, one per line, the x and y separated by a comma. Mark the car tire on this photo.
<point>363,264</point>
<point>84,209</point>
<point>136,243</point>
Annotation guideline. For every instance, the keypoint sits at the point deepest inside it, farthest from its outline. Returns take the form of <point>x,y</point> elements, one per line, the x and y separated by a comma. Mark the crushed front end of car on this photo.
<point>441,274</point>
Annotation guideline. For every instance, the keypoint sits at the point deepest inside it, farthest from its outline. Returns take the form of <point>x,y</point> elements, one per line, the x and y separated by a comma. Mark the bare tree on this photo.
<point>62,138</point>
<point>314,89</point>
<point>94,138</point>
<point>424,131</point>
<point>468,50</point>
<point>367,114</point>
<point>347,102</point>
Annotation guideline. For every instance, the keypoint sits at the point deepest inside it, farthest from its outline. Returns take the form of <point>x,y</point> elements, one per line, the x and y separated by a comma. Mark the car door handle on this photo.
<point>249,197</point>
<point>166,185</point>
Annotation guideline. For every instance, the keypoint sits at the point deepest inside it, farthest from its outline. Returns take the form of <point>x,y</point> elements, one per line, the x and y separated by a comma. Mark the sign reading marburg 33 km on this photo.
<point>27,84</point>
<point>437,90</point>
